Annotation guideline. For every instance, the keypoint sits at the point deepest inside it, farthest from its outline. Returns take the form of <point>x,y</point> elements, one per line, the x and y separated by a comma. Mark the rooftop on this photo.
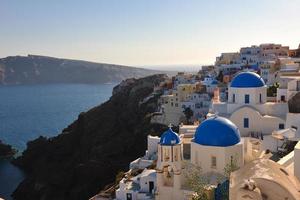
<point>247,80</point>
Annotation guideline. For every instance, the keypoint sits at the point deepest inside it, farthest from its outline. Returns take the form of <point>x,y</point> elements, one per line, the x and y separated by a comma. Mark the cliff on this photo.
<point>6,151</point>
<point>89,153</point>
<point>34,69</point>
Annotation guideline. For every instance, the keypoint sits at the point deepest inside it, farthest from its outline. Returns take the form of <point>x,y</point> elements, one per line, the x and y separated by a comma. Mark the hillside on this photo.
<point>6,151</point>
<point>34,69</point>
<point>89,153</point>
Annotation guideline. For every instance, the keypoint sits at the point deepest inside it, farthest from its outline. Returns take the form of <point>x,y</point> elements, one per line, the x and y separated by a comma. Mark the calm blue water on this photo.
<point>26,112</point>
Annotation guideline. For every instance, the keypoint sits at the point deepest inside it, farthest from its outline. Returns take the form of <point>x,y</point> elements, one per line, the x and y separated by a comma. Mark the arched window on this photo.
<point>166,155</point>
<point>214,162</point>
<point>260,98</point>
<point>247,98</point>
<point>176,154</point>
<point>246,122</point>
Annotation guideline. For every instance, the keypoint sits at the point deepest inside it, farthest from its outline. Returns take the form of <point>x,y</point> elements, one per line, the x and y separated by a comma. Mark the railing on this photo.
<point>257,135</point>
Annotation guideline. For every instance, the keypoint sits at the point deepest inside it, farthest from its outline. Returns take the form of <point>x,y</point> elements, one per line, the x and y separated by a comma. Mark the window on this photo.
<point>128,196</point>
<point>281,126</point>
<point>176,155</point>
<point>233,98</point>
<point>247,98</point>
<point>166,155</point>
<point>246,122</point>
<point>176,104</point>
<point>260,98</point>
<point>213,162</point>
<point>172,104</point>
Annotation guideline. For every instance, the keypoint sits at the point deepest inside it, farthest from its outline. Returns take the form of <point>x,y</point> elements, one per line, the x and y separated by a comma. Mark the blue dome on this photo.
<point>217,131</point>
<point>214,82</point>
<point>247,80</point>
<point>169,138</point>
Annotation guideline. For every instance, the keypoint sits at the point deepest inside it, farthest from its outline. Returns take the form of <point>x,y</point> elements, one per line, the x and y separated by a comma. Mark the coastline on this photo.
<point>18,104</point>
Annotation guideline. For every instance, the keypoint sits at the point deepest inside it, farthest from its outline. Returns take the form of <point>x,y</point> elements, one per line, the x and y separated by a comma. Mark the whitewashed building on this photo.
<point>250,55</point>
<point>216,144</point>
<point>150,155</point>
<point>248,108</point>
<point>140,187</point>
<point>289,85</point>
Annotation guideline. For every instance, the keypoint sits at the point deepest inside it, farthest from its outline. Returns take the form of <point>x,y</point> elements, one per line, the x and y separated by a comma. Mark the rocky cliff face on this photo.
<point>6,151</point>
<point>91,151</point>
<point>33,69</point>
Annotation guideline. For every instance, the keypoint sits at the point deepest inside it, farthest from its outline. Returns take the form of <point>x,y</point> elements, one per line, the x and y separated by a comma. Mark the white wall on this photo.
<point>145,181</point>
<point>174,151</point>
<point>169,193</point>
<point>297,161</point>
<point>201,155</point>
<point>122,192</point>
<point>152,145</point>
<point>281,92</point>
<point>254,94</point>
<point>269,142</point>
<point>293,120</point>
<point>257,122</point>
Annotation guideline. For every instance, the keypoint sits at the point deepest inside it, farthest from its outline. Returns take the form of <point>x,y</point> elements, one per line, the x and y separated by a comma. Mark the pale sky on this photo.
<point>144,32</point>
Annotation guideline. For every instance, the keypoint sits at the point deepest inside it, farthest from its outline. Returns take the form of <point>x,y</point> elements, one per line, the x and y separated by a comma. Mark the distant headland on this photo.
<point>36,69</point>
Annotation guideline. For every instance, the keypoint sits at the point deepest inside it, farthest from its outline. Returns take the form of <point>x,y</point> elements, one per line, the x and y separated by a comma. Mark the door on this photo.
<point>247,98</point>
<point>151,186</point>
<point>128,196</point>
<point>282,98</point>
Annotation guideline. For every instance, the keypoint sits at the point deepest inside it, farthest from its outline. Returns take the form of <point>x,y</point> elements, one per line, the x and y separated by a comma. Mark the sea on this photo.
<point>30,111</point>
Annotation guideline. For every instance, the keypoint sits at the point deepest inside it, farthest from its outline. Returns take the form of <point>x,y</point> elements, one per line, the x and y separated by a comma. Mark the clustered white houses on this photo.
<point>244,143</point>
<point>268,59</point>
<point>186,91</point>
<point>218,141</point>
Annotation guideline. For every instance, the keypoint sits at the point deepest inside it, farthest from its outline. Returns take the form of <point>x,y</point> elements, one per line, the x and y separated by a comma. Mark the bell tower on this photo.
<point>169,162</point>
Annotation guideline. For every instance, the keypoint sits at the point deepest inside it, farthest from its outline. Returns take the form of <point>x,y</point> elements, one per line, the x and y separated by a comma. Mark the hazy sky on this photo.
<point>144,32</point>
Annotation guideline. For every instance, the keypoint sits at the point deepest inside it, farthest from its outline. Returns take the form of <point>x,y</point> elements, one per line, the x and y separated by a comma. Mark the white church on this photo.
<point>249,107</point>
<point>216,144</point>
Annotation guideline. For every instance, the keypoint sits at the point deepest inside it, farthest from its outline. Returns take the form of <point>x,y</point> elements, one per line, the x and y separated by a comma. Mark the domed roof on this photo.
<point>169,138</point>
<point>217,131</point>
<point>247,80</point>
<point>214,82</point>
